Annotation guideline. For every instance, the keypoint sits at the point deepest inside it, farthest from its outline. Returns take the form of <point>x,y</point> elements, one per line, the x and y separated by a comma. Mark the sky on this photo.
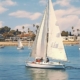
<point>18,13</point>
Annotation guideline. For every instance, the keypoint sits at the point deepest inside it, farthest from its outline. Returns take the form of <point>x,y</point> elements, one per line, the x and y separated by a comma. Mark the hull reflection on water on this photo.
<point>48,74</point>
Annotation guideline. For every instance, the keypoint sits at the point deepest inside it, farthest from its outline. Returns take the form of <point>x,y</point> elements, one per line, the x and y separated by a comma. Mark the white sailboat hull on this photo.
<point>1,46</point>
<point>48,65</point>
<point>79,48</point>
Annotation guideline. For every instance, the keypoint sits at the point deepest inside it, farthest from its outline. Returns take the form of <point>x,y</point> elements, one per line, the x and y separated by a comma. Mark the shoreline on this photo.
<point>70,42</point>
<point>25,43</point>
<point>10,43</point>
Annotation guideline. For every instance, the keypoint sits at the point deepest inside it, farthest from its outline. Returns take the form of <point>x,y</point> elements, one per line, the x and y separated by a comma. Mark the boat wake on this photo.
<point>71,67</point>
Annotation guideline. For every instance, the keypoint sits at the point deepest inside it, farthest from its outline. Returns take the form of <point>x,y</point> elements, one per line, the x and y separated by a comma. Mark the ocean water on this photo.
<point>12,66</point>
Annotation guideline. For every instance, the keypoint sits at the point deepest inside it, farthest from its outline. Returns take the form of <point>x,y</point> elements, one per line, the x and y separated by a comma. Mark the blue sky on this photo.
<point>18,13</point>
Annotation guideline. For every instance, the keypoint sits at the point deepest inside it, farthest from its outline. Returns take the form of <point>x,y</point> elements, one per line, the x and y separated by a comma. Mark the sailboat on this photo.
<point>79,44</point>
<point>29,44</point>
<point>1,46</point>
<point>20,45</point>
<point>48,49</point>
<point>79,47</point>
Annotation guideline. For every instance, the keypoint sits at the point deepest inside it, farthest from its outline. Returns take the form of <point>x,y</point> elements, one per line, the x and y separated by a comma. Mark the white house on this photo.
<point>78,38</point>
<point>65,38</point>
<point>71,38</point>
<point>68,38</point>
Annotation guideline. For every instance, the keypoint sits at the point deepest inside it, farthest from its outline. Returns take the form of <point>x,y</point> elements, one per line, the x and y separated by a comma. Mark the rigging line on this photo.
<point>45,21</point>
<point>47,38</point>
<point>45,25</point>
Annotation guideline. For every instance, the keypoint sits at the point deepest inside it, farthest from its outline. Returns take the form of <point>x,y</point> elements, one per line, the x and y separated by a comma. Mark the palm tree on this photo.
<point>28,30</point>
<point>23,29</point>
<point>72,27</point>
<point>77,32</point>
<point>33,25</point>
<point>37,26</point>
<point>75,37</point>
<point>73,30</point>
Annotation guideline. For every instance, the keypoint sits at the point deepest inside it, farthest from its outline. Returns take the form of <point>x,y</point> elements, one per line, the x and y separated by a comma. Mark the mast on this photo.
<point>46,31</point>
<point>47,26</point>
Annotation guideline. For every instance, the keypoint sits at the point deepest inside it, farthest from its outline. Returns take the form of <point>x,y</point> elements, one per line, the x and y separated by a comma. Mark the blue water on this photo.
<point>12,66</point>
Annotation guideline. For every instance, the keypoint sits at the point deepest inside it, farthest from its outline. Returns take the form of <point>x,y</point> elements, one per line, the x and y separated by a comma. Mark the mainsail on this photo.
<point>55,45</point>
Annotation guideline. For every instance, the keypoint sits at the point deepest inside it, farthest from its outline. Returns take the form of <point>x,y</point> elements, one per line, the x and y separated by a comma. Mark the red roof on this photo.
<point>24,35</point>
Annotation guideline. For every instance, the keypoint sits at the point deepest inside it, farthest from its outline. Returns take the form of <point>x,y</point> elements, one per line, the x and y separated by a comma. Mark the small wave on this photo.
<point>71,67</point>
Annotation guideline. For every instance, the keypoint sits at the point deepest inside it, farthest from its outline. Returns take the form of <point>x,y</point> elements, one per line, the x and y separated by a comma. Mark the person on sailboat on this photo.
<point>39,59</point>
<point>47,59</point>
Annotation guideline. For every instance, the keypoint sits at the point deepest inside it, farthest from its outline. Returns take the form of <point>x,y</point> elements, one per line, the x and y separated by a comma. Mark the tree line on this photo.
<point>8,32</point>
<point>65,33</point>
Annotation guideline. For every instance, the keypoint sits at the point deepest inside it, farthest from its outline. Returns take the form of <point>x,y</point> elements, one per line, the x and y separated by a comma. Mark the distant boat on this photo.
<point>48,49</point>
<point>20,45</point>
<point>29,44</point>
<point>79,44</point>
<point>71,45</point>
<point>1,46</point>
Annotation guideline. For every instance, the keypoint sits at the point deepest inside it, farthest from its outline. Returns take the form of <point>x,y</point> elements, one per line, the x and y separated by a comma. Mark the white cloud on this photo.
<point>43,2</point>
<point>1,23</point>
<point>66,12</point>
<point>37,23</point>
<point>4,3</point>
<point>24,14</point>
<point>62,3</point>
<point>35,15</point>
<point>7,3</point>
<point>57,2</point>
<point>2,9</point>
<point>69,16</point>
<point>78,24</point>
<point>67,22</point>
